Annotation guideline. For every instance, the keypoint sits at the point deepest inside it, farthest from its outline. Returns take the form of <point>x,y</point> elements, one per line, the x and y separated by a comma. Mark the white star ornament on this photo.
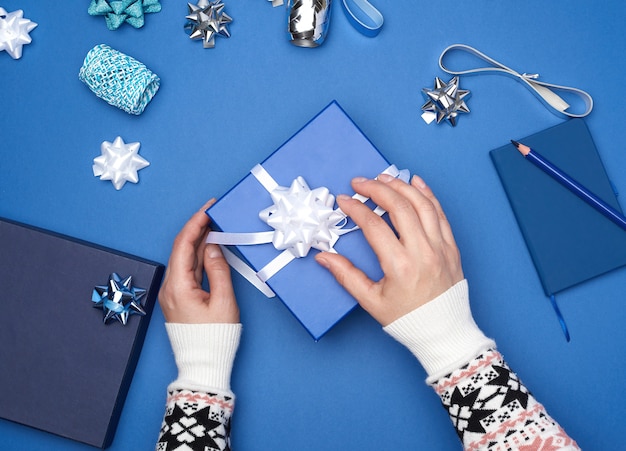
<point>14,31</point>
<point>119,162</point>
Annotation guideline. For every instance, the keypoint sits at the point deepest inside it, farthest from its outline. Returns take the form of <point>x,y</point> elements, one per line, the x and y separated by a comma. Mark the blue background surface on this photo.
<point>221,111</point>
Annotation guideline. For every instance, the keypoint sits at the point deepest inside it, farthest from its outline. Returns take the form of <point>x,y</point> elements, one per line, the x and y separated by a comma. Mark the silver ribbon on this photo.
<point>308,21</point>
<point>544,91</point>
<point>302,219</point>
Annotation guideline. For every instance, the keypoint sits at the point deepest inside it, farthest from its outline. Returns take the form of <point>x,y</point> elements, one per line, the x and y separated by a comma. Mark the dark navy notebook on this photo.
<point>61,368</point>
<point>569,241</point>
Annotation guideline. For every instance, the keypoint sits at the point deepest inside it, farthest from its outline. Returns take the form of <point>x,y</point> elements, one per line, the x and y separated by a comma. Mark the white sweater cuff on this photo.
<point>442,333</point>
<point>204,354</point>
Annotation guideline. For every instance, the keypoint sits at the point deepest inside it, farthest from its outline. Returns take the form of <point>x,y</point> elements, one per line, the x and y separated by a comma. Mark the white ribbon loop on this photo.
<point>301,218</point>
<point>544,91</point>
<point>246,271</point>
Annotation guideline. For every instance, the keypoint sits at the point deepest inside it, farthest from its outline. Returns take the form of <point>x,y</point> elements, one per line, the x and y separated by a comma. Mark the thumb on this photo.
<point>218,274</point>
<point>351,278</point>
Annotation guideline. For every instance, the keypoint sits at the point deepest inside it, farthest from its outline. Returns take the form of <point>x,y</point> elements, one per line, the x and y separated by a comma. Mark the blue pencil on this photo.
<point>571,184</point>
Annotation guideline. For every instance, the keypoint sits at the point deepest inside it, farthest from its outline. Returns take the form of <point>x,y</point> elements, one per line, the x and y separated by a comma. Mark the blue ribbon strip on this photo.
<point>363,16</point>
<point>560,317</point>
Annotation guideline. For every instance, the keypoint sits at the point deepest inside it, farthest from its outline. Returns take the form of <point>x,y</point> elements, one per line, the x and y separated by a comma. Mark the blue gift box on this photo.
<point>328,151</point>
<point>63,369</point>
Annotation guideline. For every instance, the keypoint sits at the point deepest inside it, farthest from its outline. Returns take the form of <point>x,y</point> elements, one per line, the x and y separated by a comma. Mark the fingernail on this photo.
<point>385,178</point>
<point>209,203</point>
<point>343,197</point>
<point>359,180</point>
<point>418,182</point>
<point>213,251</point>
<point>322,261</point>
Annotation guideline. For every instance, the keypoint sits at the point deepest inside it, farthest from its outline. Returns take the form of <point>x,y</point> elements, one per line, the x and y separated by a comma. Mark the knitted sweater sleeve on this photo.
<point>200,402</point>
<point>488,405</point>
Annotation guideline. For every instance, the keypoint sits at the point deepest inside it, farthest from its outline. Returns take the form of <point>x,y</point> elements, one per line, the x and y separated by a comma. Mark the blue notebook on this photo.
<point>569,241</point>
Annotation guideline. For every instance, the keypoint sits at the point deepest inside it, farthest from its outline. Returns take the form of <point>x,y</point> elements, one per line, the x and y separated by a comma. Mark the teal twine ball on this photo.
<point>119,79</point>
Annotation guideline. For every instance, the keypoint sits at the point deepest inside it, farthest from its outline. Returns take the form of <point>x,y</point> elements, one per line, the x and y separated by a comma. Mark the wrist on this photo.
<point>204,354</point>
<point>442,333</point>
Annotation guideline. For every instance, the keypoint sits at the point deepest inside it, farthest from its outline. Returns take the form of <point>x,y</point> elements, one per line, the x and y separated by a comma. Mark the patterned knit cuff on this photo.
<point>204,354</point>
<point>442,334</point>
<point>196,420</point>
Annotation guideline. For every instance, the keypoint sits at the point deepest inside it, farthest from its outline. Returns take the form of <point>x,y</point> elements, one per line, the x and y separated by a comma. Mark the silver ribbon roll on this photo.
<point>308,21</point>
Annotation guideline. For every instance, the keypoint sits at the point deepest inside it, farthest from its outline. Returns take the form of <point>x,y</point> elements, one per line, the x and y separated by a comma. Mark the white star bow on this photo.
<point>119,162</point>
<point>303,218</point>
<point>14,31</point>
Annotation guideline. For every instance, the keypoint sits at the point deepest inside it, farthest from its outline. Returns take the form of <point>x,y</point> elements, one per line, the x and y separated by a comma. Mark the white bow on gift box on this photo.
<point>302,219</point>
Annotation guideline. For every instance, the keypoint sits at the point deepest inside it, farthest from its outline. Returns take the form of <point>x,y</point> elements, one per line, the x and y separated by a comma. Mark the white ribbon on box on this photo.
<point>301,218</point>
